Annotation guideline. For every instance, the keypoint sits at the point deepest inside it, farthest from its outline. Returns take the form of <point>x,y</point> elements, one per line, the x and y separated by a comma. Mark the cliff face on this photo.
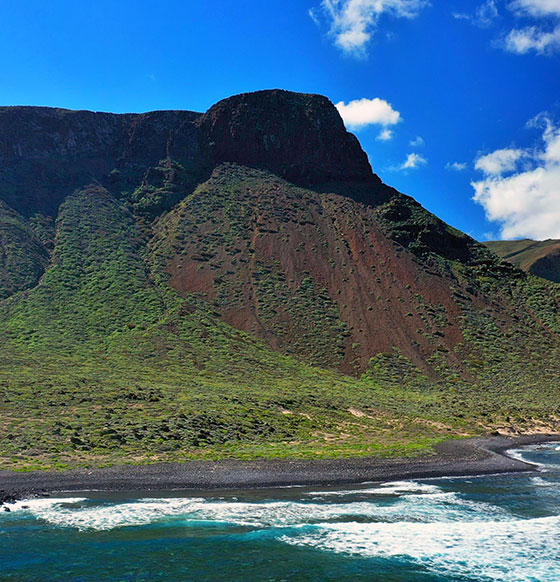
<point>46,154</point>
<point>298,137</point>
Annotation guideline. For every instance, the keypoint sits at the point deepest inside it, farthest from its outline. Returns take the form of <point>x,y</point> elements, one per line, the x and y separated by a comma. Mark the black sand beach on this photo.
<point>476,456</point>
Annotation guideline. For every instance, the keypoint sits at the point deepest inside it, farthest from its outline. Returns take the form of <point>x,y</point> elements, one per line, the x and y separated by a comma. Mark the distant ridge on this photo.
<point>541,258</point>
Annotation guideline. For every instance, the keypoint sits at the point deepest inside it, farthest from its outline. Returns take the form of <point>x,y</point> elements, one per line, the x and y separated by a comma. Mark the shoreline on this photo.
<point>453,458</point>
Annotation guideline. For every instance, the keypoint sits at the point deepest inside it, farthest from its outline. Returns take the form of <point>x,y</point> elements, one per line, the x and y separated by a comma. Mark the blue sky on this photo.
<point>478,81</point>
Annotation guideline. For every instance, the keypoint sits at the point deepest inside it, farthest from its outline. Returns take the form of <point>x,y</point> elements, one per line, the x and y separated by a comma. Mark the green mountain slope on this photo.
<point>100,363</point>
<point>541,258</point>
<point>23,258</point>
<point>192,302</point>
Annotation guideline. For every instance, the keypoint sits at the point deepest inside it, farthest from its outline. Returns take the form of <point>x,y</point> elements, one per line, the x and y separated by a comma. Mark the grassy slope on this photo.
<point>102,362</point>
<point>537,257</point>
<point>23,258</point>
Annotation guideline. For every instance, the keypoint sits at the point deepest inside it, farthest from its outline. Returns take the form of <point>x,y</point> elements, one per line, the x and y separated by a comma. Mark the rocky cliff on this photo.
<point>46,153</point>
<point>296,136</point>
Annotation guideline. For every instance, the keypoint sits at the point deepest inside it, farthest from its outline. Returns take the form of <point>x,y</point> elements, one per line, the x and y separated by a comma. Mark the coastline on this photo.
<point>454,458</point>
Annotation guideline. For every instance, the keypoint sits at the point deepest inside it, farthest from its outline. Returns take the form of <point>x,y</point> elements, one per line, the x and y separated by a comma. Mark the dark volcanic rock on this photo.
<point>297,136</point>
<point>47,153</point>
<point>6,497</point>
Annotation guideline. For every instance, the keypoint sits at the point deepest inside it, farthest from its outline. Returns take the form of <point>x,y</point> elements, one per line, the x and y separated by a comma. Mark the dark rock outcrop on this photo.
<point>297,136</point>
<point>47,153</point>
<point>6,497</point>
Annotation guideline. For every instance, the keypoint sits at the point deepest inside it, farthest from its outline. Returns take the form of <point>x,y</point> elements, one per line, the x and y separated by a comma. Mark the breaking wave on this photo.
<point>488,528</point>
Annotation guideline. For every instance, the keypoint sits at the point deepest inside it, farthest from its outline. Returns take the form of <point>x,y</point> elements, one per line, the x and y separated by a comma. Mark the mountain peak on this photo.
<point>299,136</point>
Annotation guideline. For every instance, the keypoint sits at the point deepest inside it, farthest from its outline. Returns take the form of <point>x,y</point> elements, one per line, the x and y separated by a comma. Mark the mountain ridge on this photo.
<point>116,149</point>
<point>540,258</point>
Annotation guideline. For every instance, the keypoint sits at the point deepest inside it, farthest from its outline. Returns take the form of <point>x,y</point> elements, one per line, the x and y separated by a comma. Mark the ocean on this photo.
<point>502,528</point>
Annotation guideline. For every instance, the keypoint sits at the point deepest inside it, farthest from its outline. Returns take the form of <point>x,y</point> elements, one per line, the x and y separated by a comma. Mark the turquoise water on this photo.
<point>496,528</point>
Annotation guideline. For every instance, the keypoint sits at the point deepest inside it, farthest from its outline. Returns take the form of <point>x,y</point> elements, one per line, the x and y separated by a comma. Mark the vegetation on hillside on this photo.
<point>103,362</point>
<point>23,257</point>
<point>240,284</point>
<point>541,258</point>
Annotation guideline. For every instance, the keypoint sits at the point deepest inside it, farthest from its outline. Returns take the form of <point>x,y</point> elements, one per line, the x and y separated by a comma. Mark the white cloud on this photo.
<point>361,112</point>
<point>385,135</point>
<point>527,201</point>
<point>413,161</point>
<point>352,23</point>
<point>487,12</point>
<point>456,166</point>
<point>499,161</point>
<point>543,36</point>
<point>313,14</point>
<point>483,16</point>
<point>532,38</point>
<point>417,142</point>
<point>536,7</point>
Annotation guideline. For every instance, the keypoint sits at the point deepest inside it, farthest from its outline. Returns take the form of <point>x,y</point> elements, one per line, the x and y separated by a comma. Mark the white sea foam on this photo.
<point>517,454</point>
<point>42,504</point>
<point>390,488</point>
<point>524,454</point>
<point>83,514</point>
<point>514,550</point>
<point>102,516</point>
<point>413,502</point>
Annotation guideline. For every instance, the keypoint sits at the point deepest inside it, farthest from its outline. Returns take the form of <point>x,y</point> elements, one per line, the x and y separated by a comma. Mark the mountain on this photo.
<point>239,283</point>
<point>540,258</point>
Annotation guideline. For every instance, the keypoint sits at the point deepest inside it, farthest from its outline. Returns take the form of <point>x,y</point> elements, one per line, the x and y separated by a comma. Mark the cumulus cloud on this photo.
<point>536,7</point>
<point>543,36</point>
<point>456,166</point>
<point>362,112</point>
<point>540,35</point>
<point>525,200</point>
<point>532,38</point>
<point>385,135</point>
<point>352,23</point>
<point>413,161</point>
<point>487,12</point>
<point>417,142</point>
<point>499,161</point>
